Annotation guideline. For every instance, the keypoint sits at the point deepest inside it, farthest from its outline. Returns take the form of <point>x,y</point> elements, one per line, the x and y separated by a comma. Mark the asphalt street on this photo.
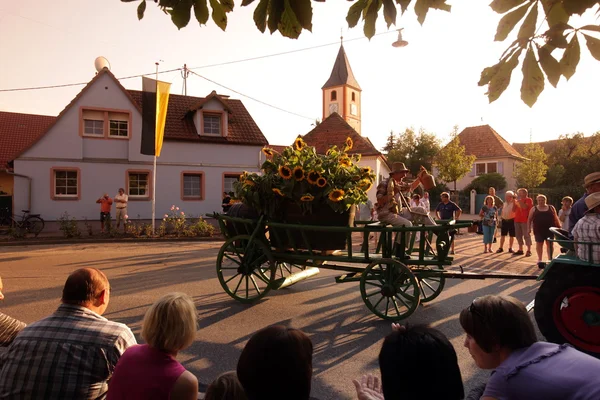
<point>346,336</point>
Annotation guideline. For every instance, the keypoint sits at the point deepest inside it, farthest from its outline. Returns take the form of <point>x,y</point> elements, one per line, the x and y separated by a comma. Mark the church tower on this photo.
<point>341,92</point>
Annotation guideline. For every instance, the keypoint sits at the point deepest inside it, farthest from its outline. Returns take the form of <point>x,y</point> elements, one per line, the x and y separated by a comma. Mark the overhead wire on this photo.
<point>252,98</point>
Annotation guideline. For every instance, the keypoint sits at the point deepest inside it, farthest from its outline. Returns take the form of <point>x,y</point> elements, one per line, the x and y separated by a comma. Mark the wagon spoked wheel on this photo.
<point>390,289</point>
<point>431,282</point>
<point>567,306</point>
<point>245,268</point>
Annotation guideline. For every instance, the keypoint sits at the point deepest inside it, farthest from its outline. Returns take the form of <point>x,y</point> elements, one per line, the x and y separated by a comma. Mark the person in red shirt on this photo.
<point>522,207</point>
<point>105,207</point>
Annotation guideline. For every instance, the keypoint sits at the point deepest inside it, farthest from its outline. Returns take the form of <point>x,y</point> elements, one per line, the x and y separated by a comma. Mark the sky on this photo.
<point>431,83</point>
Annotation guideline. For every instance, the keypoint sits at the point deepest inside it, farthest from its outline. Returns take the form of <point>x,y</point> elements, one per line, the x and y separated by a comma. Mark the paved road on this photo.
<point>346,336</point>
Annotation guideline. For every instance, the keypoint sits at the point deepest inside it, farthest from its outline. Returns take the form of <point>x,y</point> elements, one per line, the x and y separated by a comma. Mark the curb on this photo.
<point>54,241</point>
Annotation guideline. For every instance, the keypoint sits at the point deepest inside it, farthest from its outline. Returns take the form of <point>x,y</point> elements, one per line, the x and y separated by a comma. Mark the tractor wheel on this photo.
<point>567,306</point>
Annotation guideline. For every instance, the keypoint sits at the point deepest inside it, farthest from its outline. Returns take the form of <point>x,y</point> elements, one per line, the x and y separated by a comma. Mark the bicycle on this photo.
<point>29,223</point>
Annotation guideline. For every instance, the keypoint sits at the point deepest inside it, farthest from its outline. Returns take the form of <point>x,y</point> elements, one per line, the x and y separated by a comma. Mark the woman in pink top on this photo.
<point>150,371</point>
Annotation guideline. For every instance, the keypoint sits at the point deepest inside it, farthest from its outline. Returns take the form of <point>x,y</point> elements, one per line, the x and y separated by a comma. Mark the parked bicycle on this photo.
<point>28,223</point>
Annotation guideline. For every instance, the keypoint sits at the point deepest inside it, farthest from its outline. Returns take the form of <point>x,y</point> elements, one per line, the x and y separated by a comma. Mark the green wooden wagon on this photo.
<point>260,255</point>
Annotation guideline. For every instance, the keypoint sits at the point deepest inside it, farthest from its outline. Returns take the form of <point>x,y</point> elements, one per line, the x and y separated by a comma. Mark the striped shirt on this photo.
<point>9,327</point>
<point>68,355</point>
<point>587,229</point>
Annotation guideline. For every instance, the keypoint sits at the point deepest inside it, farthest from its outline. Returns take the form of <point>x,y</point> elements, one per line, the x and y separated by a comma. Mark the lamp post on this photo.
<point>400,42</point>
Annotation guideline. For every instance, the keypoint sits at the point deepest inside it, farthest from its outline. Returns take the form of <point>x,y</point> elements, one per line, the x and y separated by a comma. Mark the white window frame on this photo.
<point>198,196</point>
<point>66,186</point>
<point>119,129</point>
<point>485,165</point>
<point>97,124</point>
<point>129,186</point>
<point>207,117</point>
<point>232,177</point>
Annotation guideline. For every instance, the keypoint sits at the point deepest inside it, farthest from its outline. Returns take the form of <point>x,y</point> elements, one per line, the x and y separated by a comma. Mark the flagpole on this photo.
<point>154,167</point>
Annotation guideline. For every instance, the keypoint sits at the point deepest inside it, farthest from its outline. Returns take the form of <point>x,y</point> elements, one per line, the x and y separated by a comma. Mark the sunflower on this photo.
<point>312,177</point>
<point>243,176</point>
<point>336,195</point>
<point>356,178</point>
<point>321,182</point>
<point>268,152</point>
<point>285,172</point>
<point>349,143</point>
<point>279,192</point>
<point>365,185</point>
<point>298,173</point>
<point>345,161</point>
<point>299,143</point>
<point>307,197</point>
<point>248,182</point>
<point>365,170</point>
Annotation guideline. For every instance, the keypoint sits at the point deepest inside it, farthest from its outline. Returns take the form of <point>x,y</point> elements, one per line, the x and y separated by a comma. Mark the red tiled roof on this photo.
<point>180,125</point>
<point>333,131</point>
<point>484,142</point>
<point>18,132</point>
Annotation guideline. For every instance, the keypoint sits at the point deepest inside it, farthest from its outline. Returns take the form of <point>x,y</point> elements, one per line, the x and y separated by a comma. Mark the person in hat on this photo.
<point>390,207</point>
<point>587,229</point>
<point>591,183</point>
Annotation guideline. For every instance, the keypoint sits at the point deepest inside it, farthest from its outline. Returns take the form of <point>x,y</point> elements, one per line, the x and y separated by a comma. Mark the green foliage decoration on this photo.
<point>483,182</point>
<point>69,226</point>
<point>299,175</point>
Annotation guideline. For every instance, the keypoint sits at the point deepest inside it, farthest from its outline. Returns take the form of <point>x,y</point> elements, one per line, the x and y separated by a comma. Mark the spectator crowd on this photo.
<point>76,353</point>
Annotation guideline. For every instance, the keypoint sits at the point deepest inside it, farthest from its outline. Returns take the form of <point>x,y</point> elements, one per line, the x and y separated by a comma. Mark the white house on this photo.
<point>93,147</point>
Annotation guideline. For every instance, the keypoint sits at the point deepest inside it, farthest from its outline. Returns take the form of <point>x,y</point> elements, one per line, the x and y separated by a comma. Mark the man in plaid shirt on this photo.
<point>72,353</point>
<point>587,229</point>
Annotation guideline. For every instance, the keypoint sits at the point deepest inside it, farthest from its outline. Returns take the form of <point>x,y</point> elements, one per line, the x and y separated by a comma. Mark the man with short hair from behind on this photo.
<point>72,353</point>
<point>591,183</point>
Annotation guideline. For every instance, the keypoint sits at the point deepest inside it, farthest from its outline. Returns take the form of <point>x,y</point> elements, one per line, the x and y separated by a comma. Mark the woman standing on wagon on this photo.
<point>489,213</point>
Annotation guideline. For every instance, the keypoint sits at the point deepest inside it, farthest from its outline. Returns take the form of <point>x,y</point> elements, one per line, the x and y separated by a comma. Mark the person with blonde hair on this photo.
<point>226,387</point>
<point>150,371</point>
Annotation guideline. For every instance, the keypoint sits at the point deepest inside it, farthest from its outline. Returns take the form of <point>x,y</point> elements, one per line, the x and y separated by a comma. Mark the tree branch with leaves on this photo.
<point>531,172</point>
<point>452,162</point>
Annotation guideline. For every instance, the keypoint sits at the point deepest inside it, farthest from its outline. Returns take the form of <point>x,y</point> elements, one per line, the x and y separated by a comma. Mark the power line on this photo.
<point>252,98</point>
<point>199,67</point>
<point>284,52</point>
<point>83,83</point>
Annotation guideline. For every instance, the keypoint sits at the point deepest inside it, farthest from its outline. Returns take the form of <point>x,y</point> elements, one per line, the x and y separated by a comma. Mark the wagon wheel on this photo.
<point>389,289</point>
<point>245,268</point>
<point>282,270</point>
<point>430,285</point>
<point>567,306</point>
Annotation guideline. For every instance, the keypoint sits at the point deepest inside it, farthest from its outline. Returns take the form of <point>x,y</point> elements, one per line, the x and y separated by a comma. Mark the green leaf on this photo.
<point>487,74</point>
<point>218,14</point>
<point>227,5</point>
<point>141,9</point>
<point>260,15</point>
<point>593,46</point>
<point>389,12</point>
<point>550,65</point>
<point>304,13</point>
<point>201,11</point>
<point>403,4</point>
<point>595,28</point>
<point>578,6</point>
<point>289,26</point>
<point>570,58</point>
<point>527,30</point>
<point>181,13</point>
<point>355,12</point>
<point>555,12</point>
<point>421,9</point>
<point>502,6</point>
<point>501,79</point>
<point>509,21</point>
<point>533,79</point>
<point>370,17</point>
<point>246,2</point>
<point>275,10</point>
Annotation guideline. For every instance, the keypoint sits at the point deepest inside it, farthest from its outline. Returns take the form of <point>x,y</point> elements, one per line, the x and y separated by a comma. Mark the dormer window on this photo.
<point>333,95</point>
<point>211,123</point>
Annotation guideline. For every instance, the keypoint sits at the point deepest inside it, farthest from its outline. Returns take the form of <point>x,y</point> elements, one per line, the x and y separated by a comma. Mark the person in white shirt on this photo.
<point>121,200</point>
<point>565,211</point>
<point>425,202</point>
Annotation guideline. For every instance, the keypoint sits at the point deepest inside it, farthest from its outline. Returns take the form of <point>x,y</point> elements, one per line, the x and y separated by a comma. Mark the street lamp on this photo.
<point>400,42</point>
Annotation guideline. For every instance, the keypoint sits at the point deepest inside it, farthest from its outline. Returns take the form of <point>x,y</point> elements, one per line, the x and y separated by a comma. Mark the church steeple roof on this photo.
<point>341,73</point>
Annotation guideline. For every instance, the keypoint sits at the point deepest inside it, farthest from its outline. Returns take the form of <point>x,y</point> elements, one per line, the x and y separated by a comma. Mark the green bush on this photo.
<point>200,228</point>
<point>556,194</point>
<point>482,183</point>
<point>68,226</point>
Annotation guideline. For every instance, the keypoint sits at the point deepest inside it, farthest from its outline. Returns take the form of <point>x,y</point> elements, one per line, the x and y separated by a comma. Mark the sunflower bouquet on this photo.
<point>299,175</point>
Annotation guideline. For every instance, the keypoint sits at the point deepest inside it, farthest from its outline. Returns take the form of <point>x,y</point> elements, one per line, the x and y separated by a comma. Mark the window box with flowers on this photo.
<point>299,186</point>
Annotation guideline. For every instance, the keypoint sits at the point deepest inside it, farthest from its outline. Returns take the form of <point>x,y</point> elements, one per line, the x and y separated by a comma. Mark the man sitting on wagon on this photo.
<point>389,201</point>
<point>587,229</point>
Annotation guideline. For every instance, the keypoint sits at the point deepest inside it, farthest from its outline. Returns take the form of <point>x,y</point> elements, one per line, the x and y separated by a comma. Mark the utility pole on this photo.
<point>184,74</point>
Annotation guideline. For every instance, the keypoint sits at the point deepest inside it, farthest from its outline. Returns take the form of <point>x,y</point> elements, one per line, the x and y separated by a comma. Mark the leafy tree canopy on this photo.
<point>452,162</point>
<point>572,158</point>
<point>413,149</point>
<point>482,183</point>
<point>547,46</point>
<point>532,172</point>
